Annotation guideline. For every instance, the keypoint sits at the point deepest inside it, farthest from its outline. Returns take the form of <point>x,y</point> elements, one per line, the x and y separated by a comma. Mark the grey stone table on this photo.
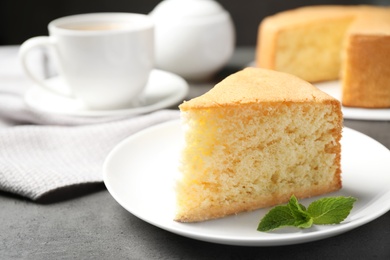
<point>87,223</point>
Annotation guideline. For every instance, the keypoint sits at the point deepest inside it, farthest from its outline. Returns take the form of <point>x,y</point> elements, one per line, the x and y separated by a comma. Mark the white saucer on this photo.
<point>163,90</point>
<point>141,178</point>
<point>333,88</point>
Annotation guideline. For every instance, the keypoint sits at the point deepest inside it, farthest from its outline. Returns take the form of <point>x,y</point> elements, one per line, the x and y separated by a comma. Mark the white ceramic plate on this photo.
<point>139,173</point>
<point>333,88</point>
<point>163,89</point>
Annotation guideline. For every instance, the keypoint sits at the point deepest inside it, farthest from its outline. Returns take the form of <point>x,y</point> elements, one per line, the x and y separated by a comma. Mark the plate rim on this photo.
<point>286,239</point>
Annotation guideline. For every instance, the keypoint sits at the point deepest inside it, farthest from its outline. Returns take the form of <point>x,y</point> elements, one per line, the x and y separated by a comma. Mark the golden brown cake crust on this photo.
<point>371,20</point>
<point>363,87</point>
<point>366,73</point>
<point>294,17</point>
<point>254,85</point>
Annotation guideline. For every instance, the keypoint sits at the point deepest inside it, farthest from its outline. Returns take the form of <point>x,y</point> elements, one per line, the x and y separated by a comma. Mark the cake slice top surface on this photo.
<point>307,14</point>
<point>372,20</point>
<point>368,19</point>
<point>256,85</point>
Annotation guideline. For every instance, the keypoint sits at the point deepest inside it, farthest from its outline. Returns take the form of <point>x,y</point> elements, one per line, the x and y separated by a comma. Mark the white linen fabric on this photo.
<point>43,152</point>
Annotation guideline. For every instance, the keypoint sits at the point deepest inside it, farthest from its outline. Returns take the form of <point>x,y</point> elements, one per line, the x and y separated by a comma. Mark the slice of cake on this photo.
<point>252,141</point>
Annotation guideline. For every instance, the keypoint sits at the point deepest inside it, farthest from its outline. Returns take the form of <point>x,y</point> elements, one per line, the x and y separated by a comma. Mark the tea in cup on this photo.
<point>104,58</point>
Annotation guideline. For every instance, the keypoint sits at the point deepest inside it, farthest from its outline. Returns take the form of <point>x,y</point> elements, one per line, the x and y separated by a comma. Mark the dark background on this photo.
<point>23,19</point>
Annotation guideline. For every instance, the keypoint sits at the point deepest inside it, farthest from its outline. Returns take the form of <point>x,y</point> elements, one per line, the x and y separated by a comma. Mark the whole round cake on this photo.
<point>322,43</point>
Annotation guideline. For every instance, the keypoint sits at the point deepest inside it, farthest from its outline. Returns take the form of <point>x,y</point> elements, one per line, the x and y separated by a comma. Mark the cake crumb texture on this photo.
<point>256,151</point>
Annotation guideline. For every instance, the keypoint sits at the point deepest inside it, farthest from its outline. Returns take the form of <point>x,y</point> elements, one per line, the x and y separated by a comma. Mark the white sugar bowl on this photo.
<point>194,38</point>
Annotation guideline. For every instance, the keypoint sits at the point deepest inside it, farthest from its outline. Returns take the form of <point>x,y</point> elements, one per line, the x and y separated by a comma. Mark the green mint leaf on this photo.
<point>331,210</point>
<point>279,216</point>
<point>302,217</point>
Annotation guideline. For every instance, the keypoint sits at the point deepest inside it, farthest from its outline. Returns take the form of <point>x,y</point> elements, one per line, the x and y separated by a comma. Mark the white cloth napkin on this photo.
<point>43,152</point>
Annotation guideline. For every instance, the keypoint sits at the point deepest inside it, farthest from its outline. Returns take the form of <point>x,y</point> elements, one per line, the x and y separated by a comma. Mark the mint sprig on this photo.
<point>325,211</point>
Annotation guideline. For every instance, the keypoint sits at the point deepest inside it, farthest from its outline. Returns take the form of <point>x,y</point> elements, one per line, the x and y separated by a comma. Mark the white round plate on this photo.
<point>140,172</point>
<point>163,89</point>
<point>333,88</point>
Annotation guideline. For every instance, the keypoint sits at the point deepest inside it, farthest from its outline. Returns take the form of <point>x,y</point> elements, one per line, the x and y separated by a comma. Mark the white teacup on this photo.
<point>104,58</point>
